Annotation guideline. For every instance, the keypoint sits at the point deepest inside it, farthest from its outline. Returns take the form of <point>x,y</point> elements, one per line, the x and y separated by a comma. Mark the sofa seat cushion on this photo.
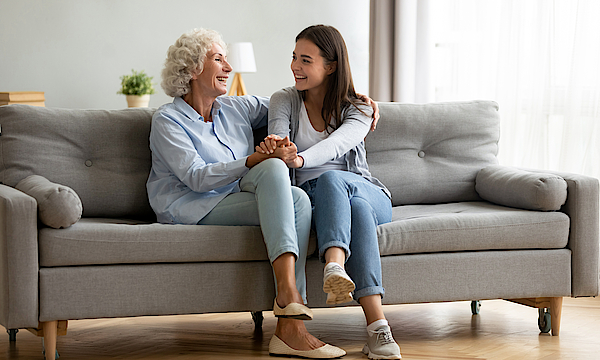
<point>99,241</point>
<point>470,226</point>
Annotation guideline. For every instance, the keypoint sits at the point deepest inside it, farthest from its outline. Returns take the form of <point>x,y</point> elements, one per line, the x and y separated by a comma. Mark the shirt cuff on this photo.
<point>238,167</point>
<point>303,154</point>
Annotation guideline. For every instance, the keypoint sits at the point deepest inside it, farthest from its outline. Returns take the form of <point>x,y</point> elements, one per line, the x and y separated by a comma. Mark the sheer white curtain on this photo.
<point>540,60</point>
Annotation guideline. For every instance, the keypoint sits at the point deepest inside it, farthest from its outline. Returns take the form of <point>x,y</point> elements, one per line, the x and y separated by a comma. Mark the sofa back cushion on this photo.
<point>103,155</point>
<point>423,153</point>
<point>431,153</point>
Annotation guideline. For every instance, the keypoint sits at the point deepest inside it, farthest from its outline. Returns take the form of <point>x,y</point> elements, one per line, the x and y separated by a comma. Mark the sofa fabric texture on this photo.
<point>161,289</point>
<point>19,264</point>
<point>470,226</point>
<point>521,189</point>
<point>431,153</point>
<point>103,155</point>
<point>101,241</point>
<point>463,227</point>
<point>58,205</point>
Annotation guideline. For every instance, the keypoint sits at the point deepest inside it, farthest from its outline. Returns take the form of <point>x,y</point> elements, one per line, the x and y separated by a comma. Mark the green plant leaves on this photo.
<point>136,84</point>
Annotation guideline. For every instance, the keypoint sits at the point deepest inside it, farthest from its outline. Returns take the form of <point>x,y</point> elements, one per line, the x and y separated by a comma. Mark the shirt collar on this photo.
<point>190,112</point>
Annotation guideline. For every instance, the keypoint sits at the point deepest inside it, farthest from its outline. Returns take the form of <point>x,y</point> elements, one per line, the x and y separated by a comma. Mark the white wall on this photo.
<point>75,51</point>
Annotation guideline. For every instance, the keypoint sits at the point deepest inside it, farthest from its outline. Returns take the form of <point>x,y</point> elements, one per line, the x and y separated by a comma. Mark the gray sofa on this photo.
<point>463,228</point>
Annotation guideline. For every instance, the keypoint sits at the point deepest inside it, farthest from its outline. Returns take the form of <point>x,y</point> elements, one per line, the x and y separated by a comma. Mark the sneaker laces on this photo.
<point>384,337</point>
<point>334,268</point>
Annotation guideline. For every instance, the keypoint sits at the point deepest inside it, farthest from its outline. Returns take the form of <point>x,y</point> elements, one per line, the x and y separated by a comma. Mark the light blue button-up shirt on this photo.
<point>195,164</point>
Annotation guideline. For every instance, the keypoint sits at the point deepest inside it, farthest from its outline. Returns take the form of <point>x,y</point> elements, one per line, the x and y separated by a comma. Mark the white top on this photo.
<point>306,137</point>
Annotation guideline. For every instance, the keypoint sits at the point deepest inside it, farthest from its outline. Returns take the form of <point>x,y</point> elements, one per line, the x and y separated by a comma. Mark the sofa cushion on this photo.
<point>103,155</point>
<point>99,241</point>
<point>431,153</point>
<point>521,189</point>
<point>58,205</point>
<point>470,226</point>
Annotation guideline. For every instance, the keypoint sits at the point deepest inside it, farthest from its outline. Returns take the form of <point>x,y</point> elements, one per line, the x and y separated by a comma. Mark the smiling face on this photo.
<point>214,75</point>
<point>308,66</point>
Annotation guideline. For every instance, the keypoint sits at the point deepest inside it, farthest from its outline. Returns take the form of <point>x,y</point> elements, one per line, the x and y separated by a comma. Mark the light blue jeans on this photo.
<point>282,211</point>
<point>346,211</point>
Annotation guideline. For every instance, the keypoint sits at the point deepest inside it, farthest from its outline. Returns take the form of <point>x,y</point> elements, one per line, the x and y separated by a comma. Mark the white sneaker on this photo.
<point>333,299</point>
<point>381,345</point>
<point>337,284</point>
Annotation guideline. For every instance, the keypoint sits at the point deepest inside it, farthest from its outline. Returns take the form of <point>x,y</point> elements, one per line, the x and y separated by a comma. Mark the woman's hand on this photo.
<point>288,152</point>
<point>269,144</point>
<point>275,146</point>
<point>255,159</point>
<point>375,107</point>
<point>267,149</point>
<point>296,163</point>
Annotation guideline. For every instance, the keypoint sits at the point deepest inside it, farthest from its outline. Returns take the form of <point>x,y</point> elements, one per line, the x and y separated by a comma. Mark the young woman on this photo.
<point>328,123</point>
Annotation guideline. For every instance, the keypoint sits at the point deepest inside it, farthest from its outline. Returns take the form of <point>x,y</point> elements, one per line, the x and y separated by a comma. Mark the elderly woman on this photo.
<point>205,171</point>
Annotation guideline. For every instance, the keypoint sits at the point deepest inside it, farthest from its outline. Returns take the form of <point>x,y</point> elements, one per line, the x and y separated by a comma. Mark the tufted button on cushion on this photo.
<point>456,139</point>
<point>116,142</point>
<point>88,163</point>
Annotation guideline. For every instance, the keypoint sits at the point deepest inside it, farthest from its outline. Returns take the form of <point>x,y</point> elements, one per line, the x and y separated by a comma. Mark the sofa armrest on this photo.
<point>582,206</point>
<point>19,265</point>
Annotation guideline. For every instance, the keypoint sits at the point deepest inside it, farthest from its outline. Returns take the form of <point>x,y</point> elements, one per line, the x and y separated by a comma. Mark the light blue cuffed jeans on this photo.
<point>282,211</point>
<point>346,211</point>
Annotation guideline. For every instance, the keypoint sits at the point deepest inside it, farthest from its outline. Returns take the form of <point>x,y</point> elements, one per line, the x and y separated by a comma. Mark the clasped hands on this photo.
<point>276,146</point>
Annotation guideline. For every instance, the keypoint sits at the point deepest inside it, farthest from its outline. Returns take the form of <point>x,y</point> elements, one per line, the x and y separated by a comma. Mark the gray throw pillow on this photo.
<point>59,206</point>
<point>521,189</point>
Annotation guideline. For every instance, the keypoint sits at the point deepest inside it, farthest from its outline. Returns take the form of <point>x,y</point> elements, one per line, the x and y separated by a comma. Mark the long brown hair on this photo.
<point>340,88</point>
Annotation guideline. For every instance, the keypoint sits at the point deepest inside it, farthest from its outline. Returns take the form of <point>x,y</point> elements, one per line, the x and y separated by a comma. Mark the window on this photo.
<point>539,60</point>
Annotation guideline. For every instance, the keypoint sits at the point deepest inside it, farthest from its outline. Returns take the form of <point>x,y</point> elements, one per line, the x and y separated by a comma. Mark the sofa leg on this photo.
<point>257,316</point>
<point>552,303</point>
<point>555,313</point>
<point>12,334</point>
<point>50,330</point>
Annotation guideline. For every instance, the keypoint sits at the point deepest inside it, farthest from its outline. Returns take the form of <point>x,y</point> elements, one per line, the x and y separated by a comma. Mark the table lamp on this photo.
<point>241,59</point>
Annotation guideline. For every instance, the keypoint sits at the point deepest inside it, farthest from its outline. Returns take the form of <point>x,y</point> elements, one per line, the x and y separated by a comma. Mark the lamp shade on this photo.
<point>241,57</point>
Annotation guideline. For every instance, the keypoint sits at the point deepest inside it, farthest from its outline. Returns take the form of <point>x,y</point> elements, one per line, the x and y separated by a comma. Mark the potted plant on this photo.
<point>137,87</point>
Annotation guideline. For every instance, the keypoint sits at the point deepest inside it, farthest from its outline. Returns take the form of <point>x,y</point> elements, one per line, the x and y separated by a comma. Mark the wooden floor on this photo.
<point>502,330</point>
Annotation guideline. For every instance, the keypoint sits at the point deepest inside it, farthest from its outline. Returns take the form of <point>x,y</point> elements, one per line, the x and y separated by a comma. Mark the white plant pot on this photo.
<point>134,101</point>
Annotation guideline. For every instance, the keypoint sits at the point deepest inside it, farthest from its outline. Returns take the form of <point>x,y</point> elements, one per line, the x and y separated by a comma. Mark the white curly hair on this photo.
<point>186,57</point>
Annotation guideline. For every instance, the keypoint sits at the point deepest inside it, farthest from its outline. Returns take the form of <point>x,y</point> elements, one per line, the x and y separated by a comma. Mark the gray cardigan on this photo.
<point>347,140</point>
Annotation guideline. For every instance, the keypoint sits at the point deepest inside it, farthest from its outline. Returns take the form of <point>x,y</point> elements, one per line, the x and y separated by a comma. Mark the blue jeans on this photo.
<point>346,211</point>
<point>282,211</point>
